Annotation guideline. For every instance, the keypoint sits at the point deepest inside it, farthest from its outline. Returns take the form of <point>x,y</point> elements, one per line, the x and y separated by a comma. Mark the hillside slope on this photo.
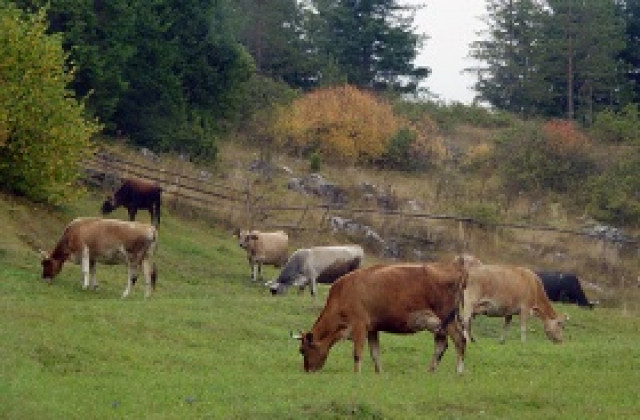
<point>211,344</point>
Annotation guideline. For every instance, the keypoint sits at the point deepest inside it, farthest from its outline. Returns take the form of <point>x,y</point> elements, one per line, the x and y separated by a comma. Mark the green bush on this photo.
<point>484,214</point>
<point>533,159</point>
<point>44,133</point>
<point>622,127</point>
<point>399,153</point>
<point>614,196</point>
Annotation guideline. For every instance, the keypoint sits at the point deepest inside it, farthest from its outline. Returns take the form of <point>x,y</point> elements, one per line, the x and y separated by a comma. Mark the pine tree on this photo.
<point>509,77</point>
<point>370,42</point>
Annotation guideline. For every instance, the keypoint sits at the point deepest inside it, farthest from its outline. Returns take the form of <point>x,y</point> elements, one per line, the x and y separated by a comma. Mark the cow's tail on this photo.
<point>452,315</point>
<point>154,276</point>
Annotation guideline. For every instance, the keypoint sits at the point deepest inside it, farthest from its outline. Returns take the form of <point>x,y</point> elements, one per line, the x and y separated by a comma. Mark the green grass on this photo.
<point>211,344</point>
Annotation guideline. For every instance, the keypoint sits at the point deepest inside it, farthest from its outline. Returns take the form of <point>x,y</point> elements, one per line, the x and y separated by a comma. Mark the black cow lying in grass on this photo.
<point>563,287</point>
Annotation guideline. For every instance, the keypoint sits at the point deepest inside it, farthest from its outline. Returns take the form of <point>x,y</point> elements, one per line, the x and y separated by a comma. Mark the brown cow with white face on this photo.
<point>268,248</point>
<point>396,298</point>
<point>504,291</point>
<point>88,240</point>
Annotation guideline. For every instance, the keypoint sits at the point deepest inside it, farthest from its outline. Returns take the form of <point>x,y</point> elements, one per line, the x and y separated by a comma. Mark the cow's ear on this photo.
<point>44,254</point>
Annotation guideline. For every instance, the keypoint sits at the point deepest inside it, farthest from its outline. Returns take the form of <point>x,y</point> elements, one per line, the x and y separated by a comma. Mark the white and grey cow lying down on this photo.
<point>263,248</point>
<point>88,240</point>
<point>321,264</point>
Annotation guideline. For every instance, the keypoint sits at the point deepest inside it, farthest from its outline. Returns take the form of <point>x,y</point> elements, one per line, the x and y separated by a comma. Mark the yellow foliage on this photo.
<point>342,123</point>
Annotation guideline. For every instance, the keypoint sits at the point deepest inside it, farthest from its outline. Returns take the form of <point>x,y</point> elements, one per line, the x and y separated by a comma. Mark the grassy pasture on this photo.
<point>211,344</point>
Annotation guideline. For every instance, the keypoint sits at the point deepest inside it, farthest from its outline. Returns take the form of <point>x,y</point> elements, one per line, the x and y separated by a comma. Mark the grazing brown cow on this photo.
<point>135,194</point>
<point>504,291</point>
<point>269,248</point>
<point>88,240</point>
<point>396,298</point>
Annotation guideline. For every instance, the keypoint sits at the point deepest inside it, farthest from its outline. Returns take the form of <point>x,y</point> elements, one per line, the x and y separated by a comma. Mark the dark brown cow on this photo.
<point>136,194</point>
<point>397,298</point>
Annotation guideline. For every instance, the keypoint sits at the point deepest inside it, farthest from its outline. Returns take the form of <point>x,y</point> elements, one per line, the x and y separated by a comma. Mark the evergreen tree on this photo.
<point>370,42</point>
<point>630,10</point>
<point>558,58</point>
<point>509,78</point>
<point>582,44</point>
<point>275,34</point>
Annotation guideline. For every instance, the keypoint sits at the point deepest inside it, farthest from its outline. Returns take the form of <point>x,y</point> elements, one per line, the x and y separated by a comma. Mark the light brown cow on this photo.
<point>504,291</point>
<point>397,298</point>
<point>268,248</point>
<point>88,240</point>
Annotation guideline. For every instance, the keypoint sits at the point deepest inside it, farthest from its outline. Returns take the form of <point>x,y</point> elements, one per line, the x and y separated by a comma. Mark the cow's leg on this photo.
<point>523,325</point>
<point>132,277</point>
<point>439,347</point>
<point>374,349</point>
<point>259,270</point>
<point>358,335</point>
<point>86,268</point>
<point>467,313</point>
<point>505,328</point>
<point>253,271</point>
<point>455,331</point>
<point>146,271</point>
<point>92,272</point>
<point>132,213</point>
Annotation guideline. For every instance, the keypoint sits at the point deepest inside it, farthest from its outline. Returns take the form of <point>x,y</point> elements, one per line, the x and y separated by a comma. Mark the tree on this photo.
<point>274,32</point>
<point>371,42</point>
<point>509,77</point>
<point>630,11</point>
<point>557,58</point>
<point>186,77</point>
<point>97,37</point>
<point>44,132</point>
<point>583,38</point>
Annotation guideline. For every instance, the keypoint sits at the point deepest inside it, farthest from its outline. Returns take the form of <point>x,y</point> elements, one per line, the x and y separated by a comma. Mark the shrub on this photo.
<point>342,123</point>
<point>554,157</point>
<point>623,127</point>
<point>44,133</point>
<point>614,196</point>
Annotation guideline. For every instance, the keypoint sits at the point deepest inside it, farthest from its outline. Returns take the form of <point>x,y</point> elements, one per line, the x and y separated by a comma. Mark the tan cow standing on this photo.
<point>504,291</point>
<point>268,248</point>
<point>88,240</point>
<point>396,298</point>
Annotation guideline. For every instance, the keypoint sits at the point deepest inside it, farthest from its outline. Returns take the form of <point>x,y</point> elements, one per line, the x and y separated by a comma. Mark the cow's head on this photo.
<point>277,288</point>
<point>50,267</point>
<point>553,327</point>
<point>313,354</point>
<point>108,206</point>
<point>245,237</point>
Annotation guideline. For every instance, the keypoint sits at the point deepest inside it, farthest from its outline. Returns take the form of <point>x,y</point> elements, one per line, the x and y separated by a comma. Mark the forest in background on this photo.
<point>332,81</point>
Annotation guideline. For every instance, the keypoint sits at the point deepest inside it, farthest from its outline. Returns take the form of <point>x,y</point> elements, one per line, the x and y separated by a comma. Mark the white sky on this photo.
<point>452,26</point>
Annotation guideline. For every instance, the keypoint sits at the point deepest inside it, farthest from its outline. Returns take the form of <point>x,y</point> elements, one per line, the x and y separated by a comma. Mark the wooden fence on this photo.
<point>244,206</point>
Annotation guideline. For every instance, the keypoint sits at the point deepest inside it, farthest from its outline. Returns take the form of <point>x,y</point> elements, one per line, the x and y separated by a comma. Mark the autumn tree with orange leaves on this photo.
<point>341,123</point>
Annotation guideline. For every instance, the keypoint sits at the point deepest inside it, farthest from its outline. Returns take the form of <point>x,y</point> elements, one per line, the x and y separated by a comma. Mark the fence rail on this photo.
<point>202,192</point>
